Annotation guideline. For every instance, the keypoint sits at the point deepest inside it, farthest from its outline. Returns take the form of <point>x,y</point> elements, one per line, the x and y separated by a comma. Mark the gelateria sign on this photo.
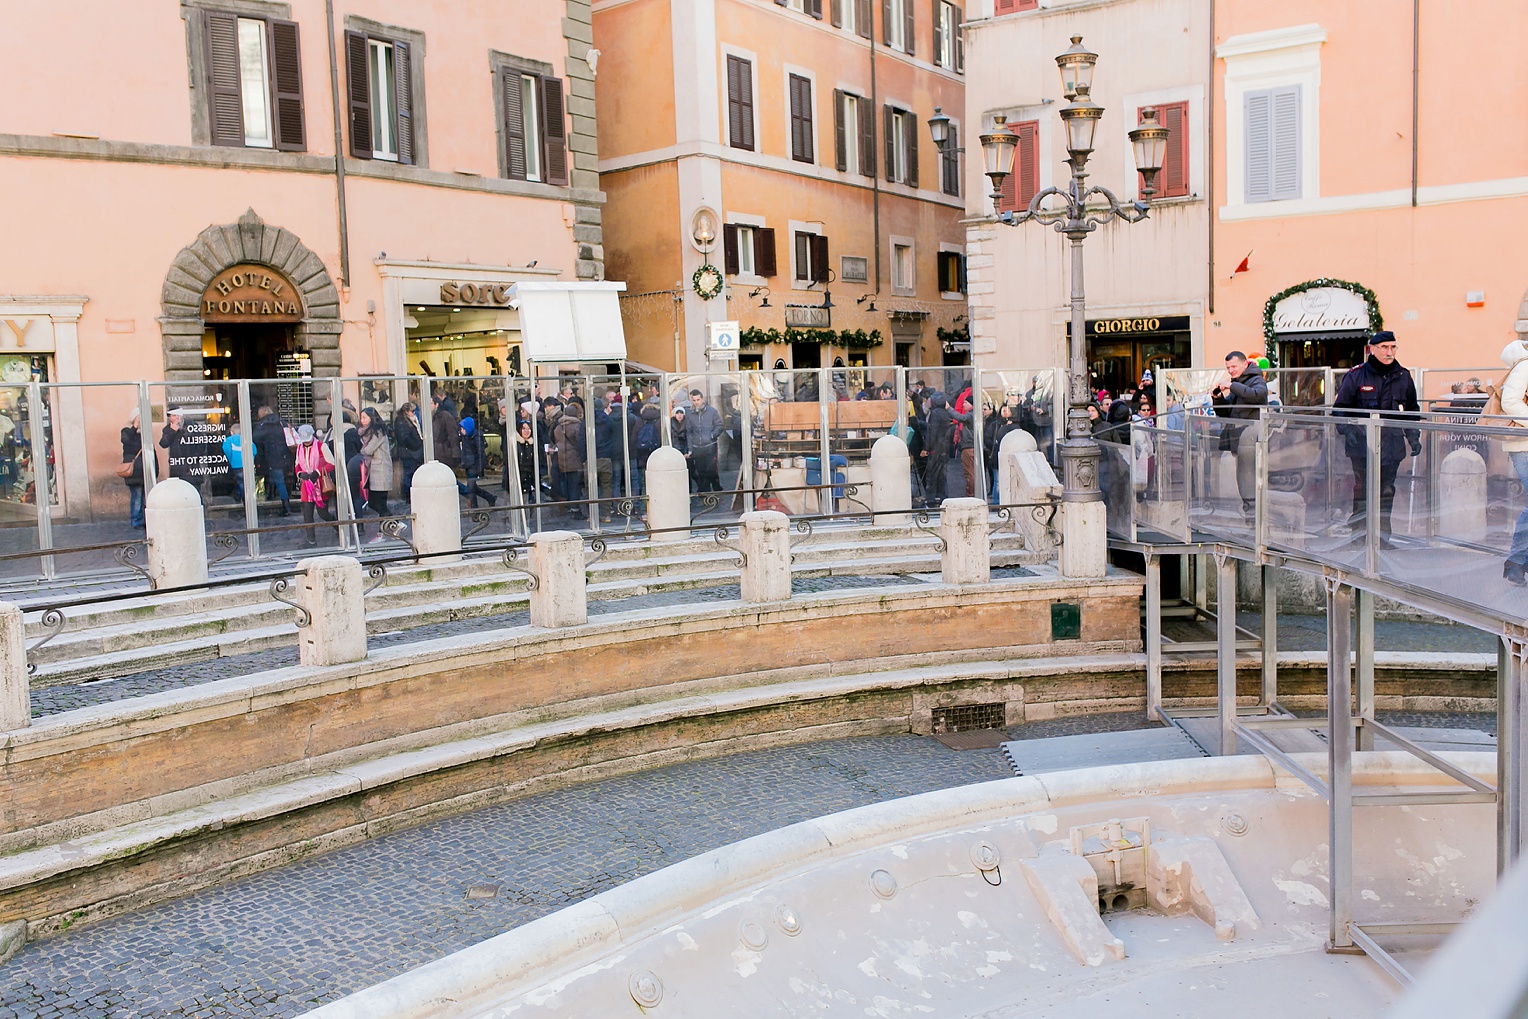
<point>251,293</point>
<point>1321,310</point>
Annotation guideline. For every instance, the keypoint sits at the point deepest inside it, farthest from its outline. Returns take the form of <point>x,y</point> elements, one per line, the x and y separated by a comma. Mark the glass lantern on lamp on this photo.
<point>1149,140</point>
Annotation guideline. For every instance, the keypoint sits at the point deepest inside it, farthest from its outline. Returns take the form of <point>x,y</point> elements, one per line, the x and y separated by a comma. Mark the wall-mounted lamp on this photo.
<point>756,291</point>
<point>866,297</point>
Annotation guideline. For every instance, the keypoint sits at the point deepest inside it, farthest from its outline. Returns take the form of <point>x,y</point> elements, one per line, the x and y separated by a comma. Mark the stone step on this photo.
<point>193,613</point>
<point>126,650</point>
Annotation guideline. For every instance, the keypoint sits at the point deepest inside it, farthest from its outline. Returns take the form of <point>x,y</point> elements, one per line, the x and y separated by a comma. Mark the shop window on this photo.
<point>748,250</point>
<point>253,77</point>
<point>852,16</point>
<point>1273,143</point>
<point>533,128</point>
<point>1019,187</point>
<point>901,146</point>
<point>382,76</point>
<point>949,41</point>
<point>802,149</point>
<point>952,272</point>
<point>854,133</point>
<point>1172,181</point>
<point>740,103</point>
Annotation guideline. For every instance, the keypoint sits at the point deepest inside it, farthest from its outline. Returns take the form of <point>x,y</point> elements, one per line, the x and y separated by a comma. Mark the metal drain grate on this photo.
<point>973,739</point>
<point>965,717</point>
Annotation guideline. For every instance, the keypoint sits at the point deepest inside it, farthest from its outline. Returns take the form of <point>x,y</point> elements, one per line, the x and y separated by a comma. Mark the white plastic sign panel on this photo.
<point>567,322</point>
<point>725,337</point>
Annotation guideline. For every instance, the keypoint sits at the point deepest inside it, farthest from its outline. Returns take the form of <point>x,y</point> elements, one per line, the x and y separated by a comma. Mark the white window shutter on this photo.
<point>1259,128</point>
<point>1285,117</point>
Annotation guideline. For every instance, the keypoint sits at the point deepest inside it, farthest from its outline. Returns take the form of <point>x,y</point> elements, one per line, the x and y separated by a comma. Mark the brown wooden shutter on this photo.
<point>819,258</point>
<point>286,87</point>
<point>836,12</point>
<point>909,27</point>
<point>1019,187</point>
<point>840,132</point>
<point>514,123</point>
<point>888,118</point>
<point>960,40</point>
<point>740,102</point>
<point>910,128</point>
<point>886,21</point>
<point>403,101</point>
<point>554,132</point>
<point>938,35</point>
<point>803,243</point>
<point>359,85</point>
<point>801,119</point>
<point>949,163</point>
<point>729,249</point>
<point>764,250</point>
<point>226,102</point>
<point>862,18</point>
<point>866,136</point>
<point>1172,181</point>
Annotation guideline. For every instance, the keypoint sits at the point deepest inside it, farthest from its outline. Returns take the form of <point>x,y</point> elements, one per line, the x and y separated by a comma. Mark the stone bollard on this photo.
<point>15,687</point>
<point>668,493</point>
<point>561,595</point>
<point>1084,539</point>
<point>1015,442</point>
<point>437,512</point>
<point>1027,477</point>
<point>767,549</point>
<point>177,535</point>
<point>1462,492</point>
<point>330,589</point>
<point>967,557</point>
<point>891,482</point>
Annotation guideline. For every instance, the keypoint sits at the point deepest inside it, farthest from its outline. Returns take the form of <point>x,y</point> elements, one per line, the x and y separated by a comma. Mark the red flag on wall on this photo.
<point>1244,265</point>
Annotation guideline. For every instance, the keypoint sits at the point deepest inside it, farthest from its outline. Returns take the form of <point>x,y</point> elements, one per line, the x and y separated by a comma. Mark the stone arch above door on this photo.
<point>216,248</point>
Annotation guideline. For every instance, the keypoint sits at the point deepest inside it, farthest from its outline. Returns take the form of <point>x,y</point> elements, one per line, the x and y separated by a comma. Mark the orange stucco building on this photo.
<point>1371,142</point>
<point>798,130</point>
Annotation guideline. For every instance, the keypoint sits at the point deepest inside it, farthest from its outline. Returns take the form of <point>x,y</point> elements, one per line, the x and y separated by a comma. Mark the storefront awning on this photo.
<point>570,322</point>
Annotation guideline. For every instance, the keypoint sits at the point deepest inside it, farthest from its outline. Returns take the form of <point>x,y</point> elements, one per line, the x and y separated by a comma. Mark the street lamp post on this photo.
<point>1079,451</point>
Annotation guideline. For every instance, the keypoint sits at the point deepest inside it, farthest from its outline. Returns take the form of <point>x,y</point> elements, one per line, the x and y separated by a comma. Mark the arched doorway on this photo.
<point>249,300</point>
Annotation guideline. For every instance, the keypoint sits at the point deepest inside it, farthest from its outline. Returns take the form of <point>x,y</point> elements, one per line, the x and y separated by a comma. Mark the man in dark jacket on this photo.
<point>703,428</point>
<point>1380,384</point>
<point>1240,395</point>
<point>938,435</point>
<point>272,457</point>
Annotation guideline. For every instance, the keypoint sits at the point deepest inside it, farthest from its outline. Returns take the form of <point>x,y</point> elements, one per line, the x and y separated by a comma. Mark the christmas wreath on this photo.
<point>1376,320</point>
<point>707,281</point>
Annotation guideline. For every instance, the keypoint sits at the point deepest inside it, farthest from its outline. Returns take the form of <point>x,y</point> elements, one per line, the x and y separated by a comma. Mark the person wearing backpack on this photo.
<point>648,439</point>
<point>572,454</point>
<point>1513,395</point>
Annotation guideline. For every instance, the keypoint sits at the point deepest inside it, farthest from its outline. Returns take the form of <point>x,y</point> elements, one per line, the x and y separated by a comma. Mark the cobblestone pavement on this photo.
<point>51,700</point>
<point>280,943</point>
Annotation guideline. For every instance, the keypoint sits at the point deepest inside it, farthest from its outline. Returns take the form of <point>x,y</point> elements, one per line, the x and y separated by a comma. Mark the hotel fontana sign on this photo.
<point>251,293</point>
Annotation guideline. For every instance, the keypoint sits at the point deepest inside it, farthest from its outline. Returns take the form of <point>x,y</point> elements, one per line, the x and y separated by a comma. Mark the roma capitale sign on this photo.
<point>251,293</point>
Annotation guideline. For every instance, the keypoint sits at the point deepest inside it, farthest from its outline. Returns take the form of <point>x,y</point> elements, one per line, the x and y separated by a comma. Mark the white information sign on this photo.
<point>725,337</point>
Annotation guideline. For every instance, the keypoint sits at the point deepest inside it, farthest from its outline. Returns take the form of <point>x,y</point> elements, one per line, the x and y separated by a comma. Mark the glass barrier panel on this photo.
<point>864,410</point>
<point>1309,502</point>
<point>1159,477</point>
<point>1459,393</point>
<point>18,488</point>
<point>1223,476</point>
<point>786,427</point>
<point>1116,479</point>
<point>91,503</point>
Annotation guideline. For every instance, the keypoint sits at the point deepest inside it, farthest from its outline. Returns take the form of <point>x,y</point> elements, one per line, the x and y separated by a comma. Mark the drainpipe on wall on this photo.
<point>339,148</point>
<point>875,178</point>
<point>1209,162</point>
<point>1416,96</point>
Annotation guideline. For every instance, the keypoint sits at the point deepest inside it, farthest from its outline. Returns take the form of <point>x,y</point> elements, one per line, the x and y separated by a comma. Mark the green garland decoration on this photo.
<point>1270,347</point>
<point>707,281</point>
<point>949,336</point>
<point>855,339</point>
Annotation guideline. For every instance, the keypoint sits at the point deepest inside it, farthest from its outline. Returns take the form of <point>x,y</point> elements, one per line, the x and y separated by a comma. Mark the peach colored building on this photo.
<point>251,188</point>
<point>1147,284</point>
<point>1376,143</point>
<point>799,128</point>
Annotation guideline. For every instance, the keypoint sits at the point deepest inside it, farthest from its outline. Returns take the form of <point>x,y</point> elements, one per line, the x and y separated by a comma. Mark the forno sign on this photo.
<point>1321,309</point>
